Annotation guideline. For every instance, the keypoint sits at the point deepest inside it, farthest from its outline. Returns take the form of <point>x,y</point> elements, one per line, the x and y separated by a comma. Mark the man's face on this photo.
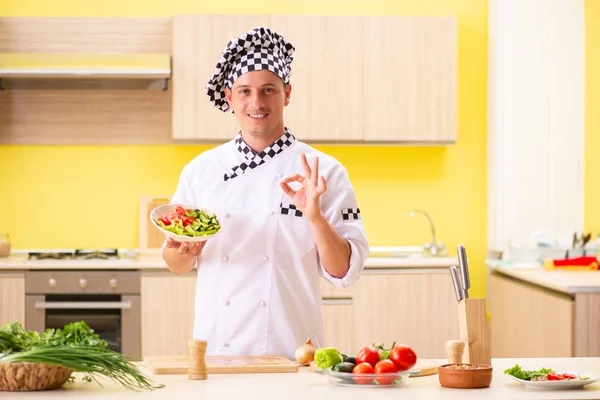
<point>257,99</point>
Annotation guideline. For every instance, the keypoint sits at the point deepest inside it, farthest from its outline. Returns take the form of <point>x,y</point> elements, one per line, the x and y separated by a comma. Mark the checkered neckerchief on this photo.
<point>254,159</point>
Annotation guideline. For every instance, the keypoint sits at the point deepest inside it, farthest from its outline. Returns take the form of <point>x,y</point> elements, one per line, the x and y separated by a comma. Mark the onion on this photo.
<point>305,354</point>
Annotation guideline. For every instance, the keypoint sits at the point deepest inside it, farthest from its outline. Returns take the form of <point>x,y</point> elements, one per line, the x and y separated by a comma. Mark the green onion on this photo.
<point>92,361</point>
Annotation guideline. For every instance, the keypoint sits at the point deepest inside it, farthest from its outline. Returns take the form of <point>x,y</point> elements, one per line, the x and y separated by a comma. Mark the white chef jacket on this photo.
<point>258,288</point>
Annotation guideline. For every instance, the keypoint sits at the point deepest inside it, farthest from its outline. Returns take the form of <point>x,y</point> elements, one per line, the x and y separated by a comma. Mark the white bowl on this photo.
<point>167,209</point>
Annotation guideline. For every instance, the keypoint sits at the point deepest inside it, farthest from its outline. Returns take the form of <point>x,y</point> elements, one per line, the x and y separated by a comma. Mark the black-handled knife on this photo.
<point>464,270</point>
<point>456,282</point>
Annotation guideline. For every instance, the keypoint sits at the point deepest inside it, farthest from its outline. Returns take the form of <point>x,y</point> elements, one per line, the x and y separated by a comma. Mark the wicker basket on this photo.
<point>32,376</point>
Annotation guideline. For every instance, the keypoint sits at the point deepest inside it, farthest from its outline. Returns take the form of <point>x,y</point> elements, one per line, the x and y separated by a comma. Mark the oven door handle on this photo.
<point>88,305</point>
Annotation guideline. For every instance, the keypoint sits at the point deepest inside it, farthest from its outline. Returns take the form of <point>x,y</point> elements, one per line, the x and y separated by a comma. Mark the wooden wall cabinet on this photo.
<point>12,297</point>
<point>355,79</point>
<point>374,79</point>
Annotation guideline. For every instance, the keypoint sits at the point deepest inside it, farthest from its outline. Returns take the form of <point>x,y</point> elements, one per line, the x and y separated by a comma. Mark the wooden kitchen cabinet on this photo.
<point>413,306</point>
<point>198,41</point>
<point>12,297</point>
<point>529,320</point>
<point>410,79</point>
<point>167,312</point>
<point>354,78</point>
<point>326,103</point>
<point>338,316</point>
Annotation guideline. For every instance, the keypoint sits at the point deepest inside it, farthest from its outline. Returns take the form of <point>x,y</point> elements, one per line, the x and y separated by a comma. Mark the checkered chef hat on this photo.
<point>258,49</point>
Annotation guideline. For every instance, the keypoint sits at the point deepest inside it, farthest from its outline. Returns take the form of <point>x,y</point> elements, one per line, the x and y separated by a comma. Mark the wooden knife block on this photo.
<point>472,319</point>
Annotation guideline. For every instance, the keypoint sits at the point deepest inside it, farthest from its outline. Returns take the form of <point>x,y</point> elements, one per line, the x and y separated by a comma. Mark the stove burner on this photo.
<point>103,254</point>
<point>49,255</point>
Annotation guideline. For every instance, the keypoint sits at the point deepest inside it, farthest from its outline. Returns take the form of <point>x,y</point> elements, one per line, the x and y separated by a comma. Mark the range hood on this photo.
<point>84,71</point>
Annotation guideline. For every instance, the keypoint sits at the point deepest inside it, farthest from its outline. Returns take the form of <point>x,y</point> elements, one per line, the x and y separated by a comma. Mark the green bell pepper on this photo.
<point>327,357</point>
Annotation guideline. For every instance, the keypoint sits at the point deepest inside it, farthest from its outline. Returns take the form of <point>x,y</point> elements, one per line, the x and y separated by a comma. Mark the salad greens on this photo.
<point>189,222</point>
<point>544,374</point>
<point>517,372</point>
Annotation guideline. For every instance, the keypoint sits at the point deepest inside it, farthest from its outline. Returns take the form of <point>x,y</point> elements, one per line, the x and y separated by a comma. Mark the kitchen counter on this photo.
<point>155,262</point>
<point>308,385</point>
<point>564,281</point>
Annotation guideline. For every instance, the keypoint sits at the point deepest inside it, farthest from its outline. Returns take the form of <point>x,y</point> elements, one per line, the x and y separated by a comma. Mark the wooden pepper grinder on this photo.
<point>455,350</point>
<point>197,369</point>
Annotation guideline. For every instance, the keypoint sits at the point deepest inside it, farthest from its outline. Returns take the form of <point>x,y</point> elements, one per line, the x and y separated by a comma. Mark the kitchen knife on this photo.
<point>456,282</point>
<point>464,270</point>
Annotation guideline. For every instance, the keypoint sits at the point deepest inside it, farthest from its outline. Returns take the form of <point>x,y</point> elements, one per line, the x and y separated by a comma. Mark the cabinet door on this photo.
<point>12,297</point>
<point>414,307</point>
<point>410,79</point>
<point>167,313</point>
<point>529,321</point>
<point>338,318</point>
<point>326,103</point>
<point>198,41</point>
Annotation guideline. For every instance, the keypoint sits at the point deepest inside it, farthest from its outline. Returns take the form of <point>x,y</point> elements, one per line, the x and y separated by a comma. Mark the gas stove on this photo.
<point>108,254</point>
<point>75,254</point>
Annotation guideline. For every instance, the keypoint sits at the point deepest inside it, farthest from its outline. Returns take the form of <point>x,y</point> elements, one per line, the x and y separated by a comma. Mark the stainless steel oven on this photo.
<point>107,300</point>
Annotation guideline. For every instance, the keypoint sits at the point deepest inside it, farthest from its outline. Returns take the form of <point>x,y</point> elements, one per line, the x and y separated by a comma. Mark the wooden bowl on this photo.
<point>465,376</point>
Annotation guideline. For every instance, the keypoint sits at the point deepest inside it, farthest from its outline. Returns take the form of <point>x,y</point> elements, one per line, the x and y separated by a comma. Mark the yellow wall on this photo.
<point>592,116</point>
<point>77,196</point>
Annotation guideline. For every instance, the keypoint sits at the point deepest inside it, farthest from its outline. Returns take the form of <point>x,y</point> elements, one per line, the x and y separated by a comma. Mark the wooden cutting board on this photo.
<point>427,367</point>
<point>178,365</point>
<point>150,238</point>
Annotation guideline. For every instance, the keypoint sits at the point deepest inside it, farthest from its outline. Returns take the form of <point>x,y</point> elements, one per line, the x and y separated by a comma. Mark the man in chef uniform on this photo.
<point>289,214</point>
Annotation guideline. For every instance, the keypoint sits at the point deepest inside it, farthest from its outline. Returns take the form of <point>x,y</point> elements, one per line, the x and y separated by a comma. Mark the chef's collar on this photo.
<point>258,49</point>
<point>254,159</point>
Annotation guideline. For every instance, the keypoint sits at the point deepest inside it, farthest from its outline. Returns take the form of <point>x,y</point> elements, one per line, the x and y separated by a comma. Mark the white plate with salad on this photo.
<point>186,223</point>
<point>547,378</point>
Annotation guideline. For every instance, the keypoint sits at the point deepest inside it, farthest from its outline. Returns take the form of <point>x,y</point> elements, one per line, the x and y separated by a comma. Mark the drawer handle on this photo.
<point>337,302</point>
<point>88,305</point>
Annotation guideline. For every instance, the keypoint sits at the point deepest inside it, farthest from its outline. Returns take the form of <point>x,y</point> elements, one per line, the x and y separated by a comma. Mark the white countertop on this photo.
<point>564,281</point>
<point>308,385</point>
<point>155,262</point>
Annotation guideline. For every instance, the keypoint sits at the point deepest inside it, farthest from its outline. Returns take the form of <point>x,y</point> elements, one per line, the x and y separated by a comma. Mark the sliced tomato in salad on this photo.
<point>187,221</point>
<point>569,376</point>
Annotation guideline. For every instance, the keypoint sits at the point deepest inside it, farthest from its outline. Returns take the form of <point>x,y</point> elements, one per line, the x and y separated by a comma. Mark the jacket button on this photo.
<point>280,175</point>
<point>225,258</point>
<point>227,215</point>
<point>226,302</point>
<point>225,344</point>
<point>262,304</point>
<point>266,258</point>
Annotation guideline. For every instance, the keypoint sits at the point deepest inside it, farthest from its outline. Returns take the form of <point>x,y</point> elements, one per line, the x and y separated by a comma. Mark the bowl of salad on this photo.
<point>186,223</point>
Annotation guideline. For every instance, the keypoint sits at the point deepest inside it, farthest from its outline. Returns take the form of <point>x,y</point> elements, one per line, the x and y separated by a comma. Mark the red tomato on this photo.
<point>569,376</point>
<point>362,368</point>
<point>555,377</point>
<point>180,211</point>
<point>369,355</point>
<point>404,357</point>
<point>385,367</point>
<point>165,220</point>
<point>186,221</point>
